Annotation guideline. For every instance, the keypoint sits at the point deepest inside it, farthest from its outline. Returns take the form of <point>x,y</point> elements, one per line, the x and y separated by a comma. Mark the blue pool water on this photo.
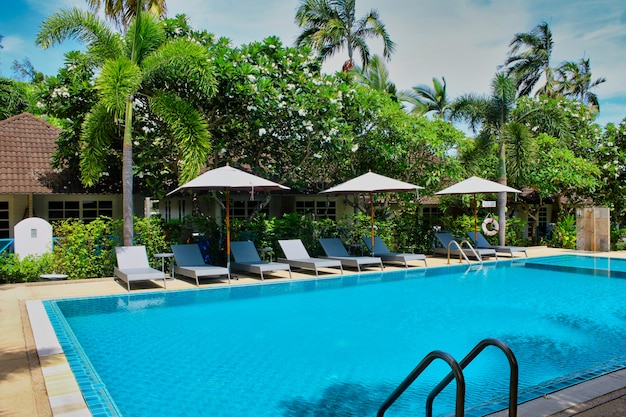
<point>339,346</point>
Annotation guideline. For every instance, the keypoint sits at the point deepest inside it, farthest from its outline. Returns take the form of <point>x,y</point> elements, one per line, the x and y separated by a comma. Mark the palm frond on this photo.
<point>84,27</point>
<point>189,128</point>
<point>184,64</point>
<point>118,82</point>
<point>98,130</point>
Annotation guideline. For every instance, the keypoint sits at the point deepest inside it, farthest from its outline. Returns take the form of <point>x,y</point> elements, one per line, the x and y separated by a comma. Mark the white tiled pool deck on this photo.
<point>36,380</point>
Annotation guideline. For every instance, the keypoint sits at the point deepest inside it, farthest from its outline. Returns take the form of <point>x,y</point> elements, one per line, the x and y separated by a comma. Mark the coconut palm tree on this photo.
<point>529,60</point>
<point>122,12</point>
<point>376,76</point>
<point>331,25</point>
<point>574,80</point>
<point>428,99</point>
<point>139,67</point>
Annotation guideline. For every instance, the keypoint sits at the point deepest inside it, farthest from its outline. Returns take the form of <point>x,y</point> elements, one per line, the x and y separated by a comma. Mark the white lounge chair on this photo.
<point>381,250</point>
<point>482,243</point>
<point>335,250</point>
<point>190,263</point>
<point>443,246</point>
<point>247,259</point>
<point>133,266</point>
<point>297,256</point>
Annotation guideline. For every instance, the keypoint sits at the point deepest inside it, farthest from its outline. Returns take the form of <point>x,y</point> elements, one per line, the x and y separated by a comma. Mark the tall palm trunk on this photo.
<point>127,174</point>
<point>502,196</point>
<point>127,148</point>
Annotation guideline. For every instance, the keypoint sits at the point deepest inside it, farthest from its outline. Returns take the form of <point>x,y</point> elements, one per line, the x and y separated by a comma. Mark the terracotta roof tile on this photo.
<point>26,146</point>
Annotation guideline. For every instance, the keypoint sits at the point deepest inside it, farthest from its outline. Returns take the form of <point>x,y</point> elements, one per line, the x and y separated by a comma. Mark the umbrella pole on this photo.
<point>228,228</point>
<point>475,220</point>
<point>372,215</point>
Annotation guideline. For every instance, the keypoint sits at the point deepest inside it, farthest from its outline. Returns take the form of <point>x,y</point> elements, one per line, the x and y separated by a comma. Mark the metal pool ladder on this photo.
<point>457,374</point>
<point>460,247</point>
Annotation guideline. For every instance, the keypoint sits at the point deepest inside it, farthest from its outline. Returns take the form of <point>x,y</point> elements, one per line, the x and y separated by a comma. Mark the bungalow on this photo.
<point>27,144</point>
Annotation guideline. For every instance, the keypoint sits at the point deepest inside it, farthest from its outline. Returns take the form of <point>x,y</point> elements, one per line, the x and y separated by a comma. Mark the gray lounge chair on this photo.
<point>133,266</point>
<point>381,250</point>
<point>190,263</point>
<point>247,259</point>
<point>482,243</point>
<point>335,250</point>
<point>297,256</point>
<point>443,246</point>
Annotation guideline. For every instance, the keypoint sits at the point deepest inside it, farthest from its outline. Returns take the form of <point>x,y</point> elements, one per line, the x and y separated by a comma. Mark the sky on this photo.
<point>462,40</point>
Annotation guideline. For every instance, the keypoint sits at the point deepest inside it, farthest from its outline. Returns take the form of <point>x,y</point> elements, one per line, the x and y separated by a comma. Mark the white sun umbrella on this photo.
<point>476,185</point>
<point>371,183</point>
<point>228,178</point>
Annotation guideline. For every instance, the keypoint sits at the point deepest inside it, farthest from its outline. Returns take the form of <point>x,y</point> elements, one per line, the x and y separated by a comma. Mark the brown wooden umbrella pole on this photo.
<point>475,220</point>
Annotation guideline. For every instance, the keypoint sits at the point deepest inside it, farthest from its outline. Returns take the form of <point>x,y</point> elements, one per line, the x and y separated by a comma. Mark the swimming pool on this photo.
<point>339,346</point>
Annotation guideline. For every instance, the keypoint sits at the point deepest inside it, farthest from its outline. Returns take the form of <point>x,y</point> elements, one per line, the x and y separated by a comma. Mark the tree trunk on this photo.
<point>502,196</point>
<point>127,174</point>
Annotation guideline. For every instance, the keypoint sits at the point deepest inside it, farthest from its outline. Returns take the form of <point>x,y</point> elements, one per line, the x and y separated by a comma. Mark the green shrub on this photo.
<point>14,270</point>
<point>564,233</point>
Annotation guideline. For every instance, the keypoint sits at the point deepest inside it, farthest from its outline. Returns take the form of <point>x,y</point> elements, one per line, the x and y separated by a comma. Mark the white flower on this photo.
<point>302,112</point>
<point>262,131</point>
<point>355,148</point>
<point>252,78</point>
<point>316,155</point>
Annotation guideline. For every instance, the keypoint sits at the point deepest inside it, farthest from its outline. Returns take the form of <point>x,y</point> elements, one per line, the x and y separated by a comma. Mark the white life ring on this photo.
<point>495,227</point>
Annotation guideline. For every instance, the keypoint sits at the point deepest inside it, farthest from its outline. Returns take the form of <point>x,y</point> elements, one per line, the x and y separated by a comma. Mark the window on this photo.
<point>320,209</point>
<point>243,209</point>
<point>86,210</point>
<point>59,210</point>
<point>4,220</point>
<point>431,215</point>
<point>94,209</point>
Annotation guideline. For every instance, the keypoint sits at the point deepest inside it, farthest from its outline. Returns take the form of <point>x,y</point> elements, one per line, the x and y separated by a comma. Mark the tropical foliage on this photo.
<point>331,25</point>
<point>142,65</point>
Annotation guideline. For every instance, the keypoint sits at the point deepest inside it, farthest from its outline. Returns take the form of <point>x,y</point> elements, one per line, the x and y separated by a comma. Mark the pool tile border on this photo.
<point>64,394</point>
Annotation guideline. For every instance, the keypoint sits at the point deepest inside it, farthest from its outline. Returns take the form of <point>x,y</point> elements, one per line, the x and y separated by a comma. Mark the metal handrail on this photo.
<point>460,247</point>
<point>457,373</point>
<point>5,245</point>
<point>513,377</point>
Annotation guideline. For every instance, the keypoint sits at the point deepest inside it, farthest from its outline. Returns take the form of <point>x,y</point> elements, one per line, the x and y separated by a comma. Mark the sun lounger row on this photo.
<point>133,263</point>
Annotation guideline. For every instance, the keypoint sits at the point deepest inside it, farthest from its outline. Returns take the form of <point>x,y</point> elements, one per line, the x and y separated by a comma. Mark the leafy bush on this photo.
<point>564,233</point>
<point>14,270</point>
<point>85,250</point>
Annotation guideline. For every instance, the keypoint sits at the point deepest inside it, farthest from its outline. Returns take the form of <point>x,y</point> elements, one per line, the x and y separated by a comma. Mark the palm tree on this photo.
<point>428,99</point>
<point>574,80</point>
<point>122,12</point>
<point>331,25</point>
<point>138,66</point>
<point>376,76</point>
<point>529,59</point>
<point>489,115</point>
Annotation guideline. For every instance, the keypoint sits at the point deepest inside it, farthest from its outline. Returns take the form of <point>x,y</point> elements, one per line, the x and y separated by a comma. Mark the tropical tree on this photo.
<point>529,60</point>
<point>13,98</point>
<point>574,80</point>
<point>376,76</point>
<point>426,99</point>
<point>139,69</point>
<point>122,12</point>
<point>331,25</point>
<point>490,117</point>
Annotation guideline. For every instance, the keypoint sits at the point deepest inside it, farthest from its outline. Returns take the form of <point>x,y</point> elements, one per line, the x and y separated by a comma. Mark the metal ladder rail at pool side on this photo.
<point>469,245</point>
<point>457,373</point>
<point>513,375</point>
